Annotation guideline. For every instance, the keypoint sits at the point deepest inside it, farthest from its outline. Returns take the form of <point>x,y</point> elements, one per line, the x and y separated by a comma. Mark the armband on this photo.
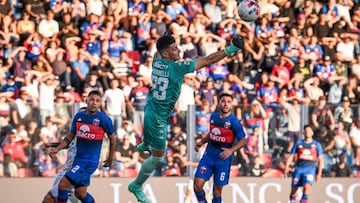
<point>67,140</point>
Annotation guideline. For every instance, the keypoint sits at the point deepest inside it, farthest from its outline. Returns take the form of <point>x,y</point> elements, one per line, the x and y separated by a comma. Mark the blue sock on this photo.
<point>88,199</point>
<point>62,196</point>
<point>304,198</point>
<point>216,199</point>
<point>200,196</point>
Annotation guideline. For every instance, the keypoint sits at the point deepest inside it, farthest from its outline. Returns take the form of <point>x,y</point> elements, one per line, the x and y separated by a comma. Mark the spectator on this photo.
<point>42,65</point>
<point>176,137</point>
<point>138,97</point>
<point>159,24</point>
<point>322,27</point>
<point>251,150</point>
<point>22,110</point>
<point>119,9</point>
<point>313,90</point>
<point>104,71</point>
<point>61,69</point>
<point>207,92</point>
<point>282,70</point>
<point>126,155</point>
<point>186,98</point>
<point>47,167</point>
<point>48,27</point>
<point>197,26</point>
<point>322,117</point>
<point>16,150</point>
<point>94,7</point>
<point>113,103</point>
<point>35,46</point>
<point>213,11</point>
<point>48,132</point>
<point>19,63</point>
<point>58,7</point>
<point>202,118</point>
<point>128,128</point>
<point>80,69</point>
<point>47,87</point>
<point>230,7</point>
<point>93,44</point>
<point>8,168</point>
<point>77,11</point>
<point>280,162</point>
<point>354,134</point>
<point>351,90</point>
<point>145,69</point>
<point>174,9</point>
<point>253,50</point>
<point>25,27</point>
<point>344,113</point>
<point>210,43</point>
<point>336,90</point>
<point>143,31</point>
<point>346,47</point>
<point>135,9</point>
<point>341,140</point>
<point>179,26</point>
<point>92,82</point>
<point>6,9</point>
<point>257,169</point>
<point>11,88</point>
<point>91,24</point>
<point>36,9</point>
<point>341,168</point>
<point>192,8</point>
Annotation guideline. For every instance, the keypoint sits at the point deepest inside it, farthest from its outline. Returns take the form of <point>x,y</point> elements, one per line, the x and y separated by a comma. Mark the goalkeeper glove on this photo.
<point>237,44</point>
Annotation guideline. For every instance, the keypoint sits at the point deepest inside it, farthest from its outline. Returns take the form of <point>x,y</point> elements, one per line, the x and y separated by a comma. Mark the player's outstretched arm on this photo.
<point>236,44</point>
<point>63,144</point>
<point>288,162</point>
<point>320,168</point>
<point>108,162</point>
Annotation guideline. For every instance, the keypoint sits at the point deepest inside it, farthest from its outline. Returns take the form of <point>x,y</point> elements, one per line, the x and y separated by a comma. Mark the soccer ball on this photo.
<point>249,10</point>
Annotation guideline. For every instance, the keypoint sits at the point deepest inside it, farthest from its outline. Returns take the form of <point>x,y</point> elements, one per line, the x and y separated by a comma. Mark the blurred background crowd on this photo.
<point>300,64</point>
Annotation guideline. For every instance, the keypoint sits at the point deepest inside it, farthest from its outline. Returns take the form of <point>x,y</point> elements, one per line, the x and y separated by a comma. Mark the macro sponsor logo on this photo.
<point>215,135</point>
<point>83,132</point>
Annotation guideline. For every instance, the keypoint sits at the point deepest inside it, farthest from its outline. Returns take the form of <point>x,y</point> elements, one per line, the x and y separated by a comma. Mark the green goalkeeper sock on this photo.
<point>147,168</point>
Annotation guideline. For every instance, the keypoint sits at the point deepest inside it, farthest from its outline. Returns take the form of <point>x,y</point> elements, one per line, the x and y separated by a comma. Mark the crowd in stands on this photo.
<point>298,53</point>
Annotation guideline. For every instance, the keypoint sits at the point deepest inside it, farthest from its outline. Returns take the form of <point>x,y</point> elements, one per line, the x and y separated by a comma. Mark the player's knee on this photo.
<point>64,184</point>
<point>197,186</point>
<point>80,194</point>
<point>157,161</point>
<point>217,191</point>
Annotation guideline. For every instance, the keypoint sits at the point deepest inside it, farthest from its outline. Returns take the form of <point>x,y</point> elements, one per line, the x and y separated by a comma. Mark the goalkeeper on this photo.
<point>167,76</point>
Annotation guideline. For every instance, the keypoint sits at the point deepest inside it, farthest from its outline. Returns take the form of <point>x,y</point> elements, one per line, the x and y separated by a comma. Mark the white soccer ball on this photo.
<point>249,10</point>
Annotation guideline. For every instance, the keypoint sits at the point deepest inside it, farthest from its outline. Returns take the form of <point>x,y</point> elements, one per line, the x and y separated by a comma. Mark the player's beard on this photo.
<point>225,110</point>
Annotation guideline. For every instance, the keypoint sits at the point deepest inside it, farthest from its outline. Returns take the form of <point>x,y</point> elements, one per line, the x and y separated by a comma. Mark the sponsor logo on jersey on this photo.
<point>215,135</point>
<point>84,132</point>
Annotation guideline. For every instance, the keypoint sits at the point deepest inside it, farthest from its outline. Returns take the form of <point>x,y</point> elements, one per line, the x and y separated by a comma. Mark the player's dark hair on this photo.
<point>308,126</point>
<point>225,94</point>
<point>94,92</point>
<point>164,42</point>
